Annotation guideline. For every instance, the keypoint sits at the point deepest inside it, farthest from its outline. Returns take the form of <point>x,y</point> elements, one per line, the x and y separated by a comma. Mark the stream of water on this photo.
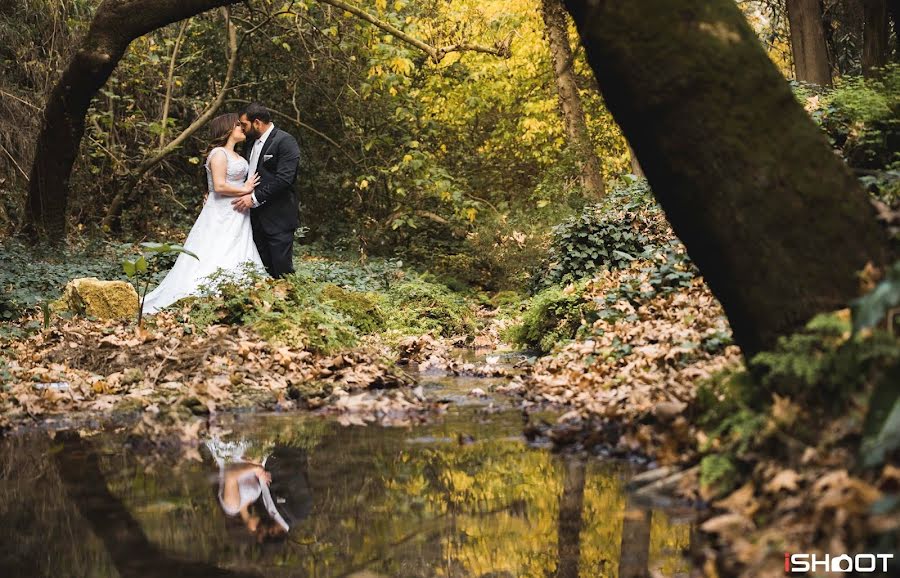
<point>464,495</point>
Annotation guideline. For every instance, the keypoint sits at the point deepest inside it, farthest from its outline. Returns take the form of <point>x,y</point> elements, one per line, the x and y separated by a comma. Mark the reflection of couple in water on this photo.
<point>267,492</point>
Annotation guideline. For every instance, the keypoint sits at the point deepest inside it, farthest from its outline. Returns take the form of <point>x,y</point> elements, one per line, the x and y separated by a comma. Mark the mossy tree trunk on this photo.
<point>808,42</point>
<point>875,35</point>
<point>773,219</point>
<point>115,25</point>
<point>555,23</point>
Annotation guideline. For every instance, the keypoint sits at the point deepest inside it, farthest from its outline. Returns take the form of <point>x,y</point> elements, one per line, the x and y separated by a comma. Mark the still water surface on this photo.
<point>463,496</point>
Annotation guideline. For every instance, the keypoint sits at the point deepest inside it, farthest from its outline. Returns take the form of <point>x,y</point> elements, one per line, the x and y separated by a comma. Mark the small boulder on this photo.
<point>101,299</point>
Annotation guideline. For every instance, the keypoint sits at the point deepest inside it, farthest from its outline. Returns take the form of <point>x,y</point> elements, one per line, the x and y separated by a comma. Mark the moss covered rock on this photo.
<point>101,299</point>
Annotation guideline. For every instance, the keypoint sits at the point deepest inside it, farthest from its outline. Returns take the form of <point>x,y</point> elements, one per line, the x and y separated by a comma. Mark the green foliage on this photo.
<point>719,474</point>
<point>374,275</point>
<point>31,276</point>
<point>291,311</point>
<point>363,310</point>
<point>812,374</point>
<point>869,100</point>
<point>557,315</point>
<point>416,307</point>
<point>625,226</point>
<point>823,362</point>
<point>861,117</point>
<point>303,311</point>
<point>142,269</point>
<point>554,315</point>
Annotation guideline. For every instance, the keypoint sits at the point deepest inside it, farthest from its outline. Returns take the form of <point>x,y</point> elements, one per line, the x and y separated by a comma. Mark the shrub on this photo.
<point>417,307</point>
<point>554,315</point>
<point>626,225</point>
<point>861,117</point>
<point>290,311</point>
<point>361,309</point>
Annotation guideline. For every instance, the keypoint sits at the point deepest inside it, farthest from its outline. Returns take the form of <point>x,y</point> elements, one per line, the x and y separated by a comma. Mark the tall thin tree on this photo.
<point>556,25</point>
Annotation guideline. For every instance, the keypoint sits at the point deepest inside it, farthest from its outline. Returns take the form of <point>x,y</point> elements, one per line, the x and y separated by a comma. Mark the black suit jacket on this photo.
<point>278,200</point>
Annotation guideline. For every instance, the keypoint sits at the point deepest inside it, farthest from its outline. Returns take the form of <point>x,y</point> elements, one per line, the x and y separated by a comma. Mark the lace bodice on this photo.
<point>235,171</point>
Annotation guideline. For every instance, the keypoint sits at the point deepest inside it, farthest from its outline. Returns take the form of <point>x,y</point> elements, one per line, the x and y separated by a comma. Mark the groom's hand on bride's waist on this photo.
<point>243,203</point>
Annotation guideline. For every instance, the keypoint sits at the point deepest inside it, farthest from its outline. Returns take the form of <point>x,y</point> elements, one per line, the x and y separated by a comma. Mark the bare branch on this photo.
<point>170,81</point>
<point>501,49</point>
<point>296,121</point>
<point>150,162</point>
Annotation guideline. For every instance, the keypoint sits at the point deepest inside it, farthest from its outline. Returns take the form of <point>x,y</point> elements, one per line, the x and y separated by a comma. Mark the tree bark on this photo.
<point>569,100</point>
<point>115,25</point>
<point>808,42</point>
<point>636,169</point>
<point>875,36</point>
<point>773,219</point>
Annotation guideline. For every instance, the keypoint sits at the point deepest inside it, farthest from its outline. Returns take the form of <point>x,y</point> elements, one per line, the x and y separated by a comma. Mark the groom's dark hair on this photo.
<point>256,111</point>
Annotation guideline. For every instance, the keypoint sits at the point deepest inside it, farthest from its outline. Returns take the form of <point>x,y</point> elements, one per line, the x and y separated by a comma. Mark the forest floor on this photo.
<point>651,373</point>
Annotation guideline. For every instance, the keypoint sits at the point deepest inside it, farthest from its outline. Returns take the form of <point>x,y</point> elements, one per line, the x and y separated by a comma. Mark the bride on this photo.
<point>221,237</point>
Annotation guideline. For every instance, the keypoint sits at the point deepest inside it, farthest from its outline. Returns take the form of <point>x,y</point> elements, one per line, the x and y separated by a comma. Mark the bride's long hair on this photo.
<point>220,129</point>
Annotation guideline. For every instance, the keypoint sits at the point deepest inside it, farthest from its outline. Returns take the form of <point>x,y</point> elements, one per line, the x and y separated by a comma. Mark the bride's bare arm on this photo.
<point>218,165</point>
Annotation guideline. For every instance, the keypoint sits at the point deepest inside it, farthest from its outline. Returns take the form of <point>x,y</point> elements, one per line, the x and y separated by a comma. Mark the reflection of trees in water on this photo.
<point>42,534</point>
<point>634,555</point>
<point>570,505</point>
<point>132,553</point>
<point>380,503</point>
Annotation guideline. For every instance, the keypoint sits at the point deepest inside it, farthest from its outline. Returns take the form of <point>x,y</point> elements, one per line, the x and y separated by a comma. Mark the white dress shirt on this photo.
<point>254,157</point>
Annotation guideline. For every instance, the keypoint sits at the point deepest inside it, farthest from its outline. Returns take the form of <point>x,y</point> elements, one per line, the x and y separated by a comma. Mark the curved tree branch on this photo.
<point>115,25</point>
<point>150,162</point>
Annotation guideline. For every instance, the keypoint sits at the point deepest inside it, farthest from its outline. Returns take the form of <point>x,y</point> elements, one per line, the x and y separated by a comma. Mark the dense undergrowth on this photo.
<point>327,306</point>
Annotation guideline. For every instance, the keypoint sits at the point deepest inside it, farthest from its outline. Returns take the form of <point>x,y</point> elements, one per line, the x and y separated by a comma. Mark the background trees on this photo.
<point>461,162</point>
<point>808,41</point>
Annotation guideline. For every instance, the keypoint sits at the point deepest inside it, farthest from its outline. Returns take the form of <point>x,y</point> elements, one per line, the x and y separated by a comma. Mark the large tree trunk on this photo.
<point>773,219</point>
<point>808,42</point>
<point>115,25</point>
<point>875,35</point>
<point>569,100</point>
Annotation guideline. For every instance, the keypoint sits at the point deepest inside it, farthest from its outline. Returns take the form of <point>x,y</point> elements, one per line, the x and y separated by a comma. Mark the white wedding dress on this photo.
<point>221,238</point>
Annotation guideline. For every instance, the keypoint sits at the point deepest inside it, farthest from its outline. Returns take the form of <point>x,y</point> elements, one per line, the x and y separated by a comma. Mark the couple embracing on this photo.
<point>250,212</point>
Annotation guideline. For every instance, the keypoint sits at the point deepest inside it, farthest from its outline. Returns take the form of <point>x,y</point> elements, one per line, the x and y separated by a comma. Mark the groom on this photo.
<point>273,154</point>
